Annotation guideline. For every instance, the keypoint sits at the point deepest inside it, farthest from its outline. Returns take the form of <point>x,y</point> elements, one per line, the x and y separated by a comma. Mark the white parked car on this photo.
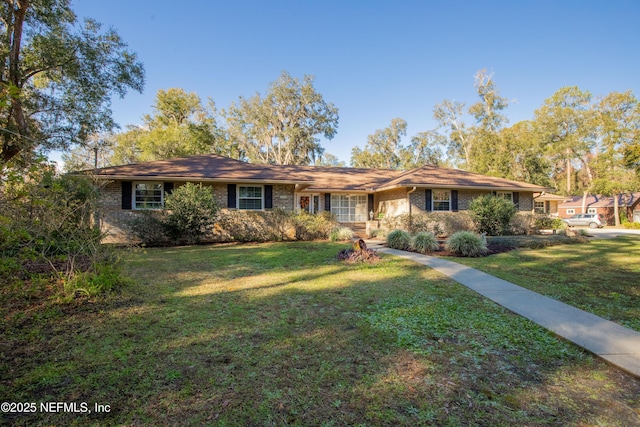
<point>592,220</point>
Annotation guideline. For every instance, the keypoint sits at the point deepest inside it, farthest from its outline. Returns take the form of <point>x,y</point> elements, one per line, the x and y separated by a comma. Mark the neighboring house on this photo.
<point>352,194</point>
<point>603,205</point>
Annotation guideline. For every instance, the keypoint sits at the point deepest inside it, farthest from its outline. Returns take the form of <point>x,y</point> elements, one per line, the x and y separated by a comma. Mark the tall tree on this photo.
<point>179,126</point>
<point>57,76</point>
<point>283,126</point>
<point>382,149</point>
<point>488,111</point>
<point>522,156</point>
<point>489,148</point>
<point>449,115</point>
<point>94,153</point>
<point>618,127</point>
<point>425,149</point>
<point>476,147</point>
<point>566,127</point>
<point>329,160</point>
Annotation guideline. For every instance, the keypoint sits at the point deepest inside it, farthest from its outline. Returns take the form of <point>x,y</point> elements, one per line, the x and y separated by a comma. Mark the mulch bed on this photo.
<point>360,252</point>
<point>493,249</point>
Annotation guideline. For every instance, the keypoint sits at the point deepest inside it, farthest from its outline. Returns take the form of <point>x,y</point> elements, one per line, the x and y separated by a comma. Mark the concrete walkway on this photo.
<point>610,341</point>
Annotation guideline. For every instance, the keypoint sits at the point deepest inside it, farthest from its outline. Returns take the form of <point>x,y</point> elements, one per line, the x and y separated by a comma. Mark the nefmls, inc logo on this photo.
<point>74,407</point>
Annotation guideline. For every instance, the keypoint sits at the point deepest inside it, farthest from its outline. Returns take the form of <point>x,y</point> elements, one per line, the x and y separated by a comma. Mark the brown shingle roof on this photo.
<point>206,167</point>
<point>435,176</point>
<point>601,201</point>
<point>321,179</point>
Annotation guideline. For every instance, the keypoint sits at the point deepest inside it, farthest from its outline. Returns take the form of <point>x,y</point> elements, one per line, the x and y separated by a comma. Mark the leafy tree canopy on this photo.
<point>385,150</point>
<point>282,127</point>
<point>382,149</point>
<point>180,126</point>
<point>57,76</point>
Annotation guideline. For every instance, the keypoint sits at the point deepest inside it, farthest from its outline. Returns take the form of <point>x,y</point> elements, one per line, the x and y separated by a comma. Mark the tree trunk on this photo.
<point>616,208</point>
<point>568,172</point>
<point>584,202</point>
<point>12,146</point>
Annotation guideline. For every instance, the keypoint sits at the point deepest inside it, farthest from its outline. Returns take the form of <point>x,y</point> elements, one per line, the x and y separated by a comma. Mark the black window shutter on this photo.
<point>268,196</point>
<point>327,201</point>
<point>454,200</point>
<point>427,200</point>
<point>516,199</point>
<point>369,204</point>
<point>231,196</point>
<point>547,207</point>
<point>168,188</point>
<point>126,194</point>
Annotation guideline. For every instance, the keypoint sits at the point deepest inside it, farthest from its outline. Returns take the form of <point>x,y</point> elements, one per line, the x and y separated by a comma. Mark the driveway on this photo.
<point>610,233</point>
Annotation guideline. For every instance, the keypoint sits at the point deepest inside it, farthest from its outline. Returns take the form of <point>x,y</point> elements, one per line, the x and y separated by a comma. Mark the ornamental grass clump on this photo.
<point>399,239</point>
<point>425,243</point>
<point>467,244</point>
<point>341,234</point>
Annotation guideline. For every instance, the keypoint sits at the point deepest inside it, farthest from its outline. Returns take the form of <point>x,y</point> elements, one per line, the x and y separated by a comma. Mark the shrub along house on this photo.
<point>352,194</point>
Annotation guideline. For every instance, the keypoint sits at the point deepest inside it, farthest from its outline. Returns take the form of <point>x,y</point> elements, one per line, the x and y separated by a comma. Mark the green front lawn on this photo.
<point>602,276</point>
<point>283,334</point>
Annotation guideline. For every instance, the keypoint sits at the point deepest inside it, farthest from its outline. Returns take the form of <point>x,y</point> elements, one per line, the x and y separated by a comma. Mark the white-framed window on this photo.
<point>571,211</point>
<point>538,207</point>
<point>505,195</point>
<point>251,197</point>
<point>441,200</point>
<point>349,207</point>
<point>592,210</point>
<point>148,195</point>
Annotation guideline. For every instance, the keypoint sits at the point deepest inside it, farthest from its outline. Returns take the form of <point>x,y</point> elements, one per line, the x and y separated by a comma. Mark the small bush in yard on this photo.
<point>314,226</point>
<point>191,212</point>
<point>48,239</point>
<point>341,234</point>
<point>503,243</point>
<point>438,223</point>
<point>148,228</point>
<point>103,278</point>
<point>491,214</point>
<point>467,243</point>
<point>425,242</point>
<point>544,222</point>
<point>250,226</point>
<point>399,239</point>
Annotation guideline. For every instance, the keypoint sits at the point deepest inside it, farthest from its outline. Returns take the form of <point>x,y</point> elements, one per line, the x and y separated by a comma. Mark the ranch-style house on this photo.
<point>354,195</point>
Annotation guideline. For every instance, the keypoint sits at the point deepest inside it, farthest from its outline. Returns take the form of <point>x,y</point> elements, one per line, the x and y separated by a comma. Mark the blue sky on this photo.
<point>376,60</point>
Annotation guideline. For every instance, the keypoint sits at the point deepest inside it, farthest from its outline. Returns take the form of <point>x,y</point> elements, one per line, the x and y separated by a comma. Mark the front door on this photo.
<point>309,203</point>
